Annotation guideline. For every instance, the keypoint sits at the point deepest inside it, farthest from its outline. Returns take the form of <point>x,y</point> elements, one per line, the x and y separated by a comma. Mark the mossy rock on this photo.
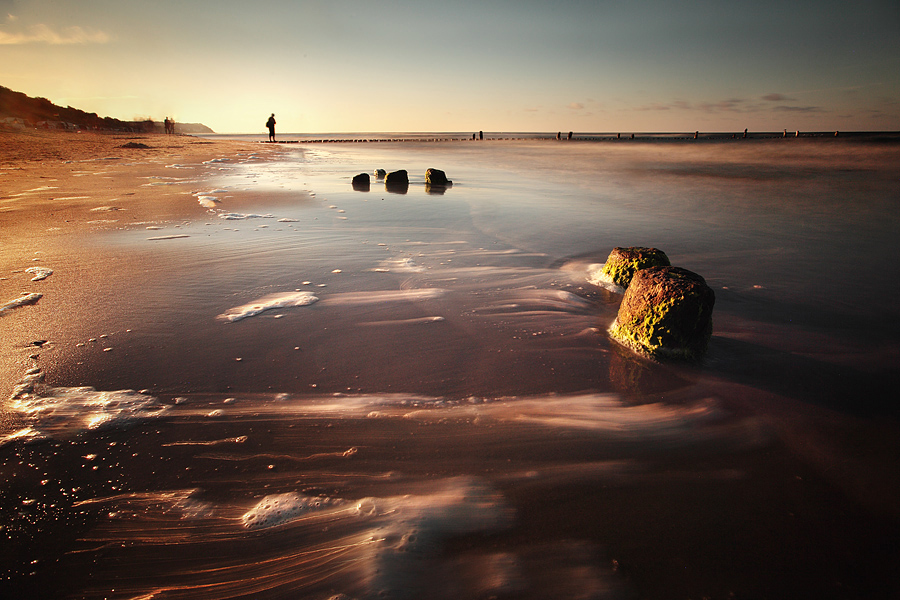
<point>666,313</point>
<point>623,263</point>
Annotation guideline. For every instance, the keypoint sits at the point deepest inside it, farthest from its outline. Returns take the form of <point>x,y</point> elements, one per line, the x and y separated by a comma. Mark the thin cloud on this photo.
<point>801,109</point>
<point>42,34</point>
<point>777,98</point>
<point>576,106</point>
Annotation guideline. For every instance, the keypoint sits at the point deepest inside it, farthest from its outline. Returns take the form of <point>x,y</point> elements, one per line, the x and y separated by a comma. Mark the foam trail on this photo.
<point>267,303</point>
<point>40,273</point>
<point>24,299</point>
<point>241,216</point>
<point>65,412</point>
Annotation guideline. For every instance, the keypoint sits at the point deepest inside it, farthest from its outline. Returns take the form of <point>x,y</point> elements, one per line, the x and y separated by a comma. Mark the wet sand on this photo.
<point>446,419</point>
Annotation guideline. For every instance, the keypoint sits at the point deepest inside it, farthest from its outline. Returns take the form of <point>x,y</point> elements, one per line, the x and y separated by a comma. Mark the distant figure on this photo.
<point>570,136</point>
<point>480,135</point>
<point>696,134</point>
<point>172,126</point>
<point>836,133</point>
<point>632,136</point>
<point>618,136</point>
<point>166,123</point>
<point>797,134</point>
<point>559,135</point>
<point>745,133</point>
<point>474,135</point>
<point>784,134</point>
<point>271,125</point>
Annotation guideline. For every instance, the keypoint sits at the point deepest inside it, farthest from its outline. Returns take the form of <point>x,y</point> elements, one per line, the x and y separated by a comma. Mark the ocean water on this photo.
<point>310,391</point>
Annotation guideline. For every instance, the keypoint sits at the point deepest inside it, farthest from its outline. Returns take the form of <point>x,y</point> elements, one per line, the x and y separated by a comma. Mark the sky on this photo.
<point>463,65</point>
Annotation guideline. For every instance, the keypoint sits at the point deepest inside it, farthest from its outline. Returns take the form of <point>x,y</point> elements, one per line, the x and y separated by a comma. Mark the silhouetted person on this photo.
<point>480,135</point>
<point>271,125</point>
<point>570,136</point>
<point>559,135</point>
<point>745,133</point>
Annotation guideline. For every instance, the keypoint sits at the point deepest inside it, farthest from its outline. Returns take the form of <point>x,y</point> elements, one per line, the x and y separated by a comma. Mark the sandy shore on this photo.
<point>454,371</point>
<point>58,188</point>
<point>46,174</point>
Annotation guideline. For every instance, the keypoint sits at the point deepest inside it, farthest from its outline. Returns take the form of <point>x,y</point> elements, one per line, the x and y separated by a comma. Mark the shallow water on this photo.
<point>409,395</point>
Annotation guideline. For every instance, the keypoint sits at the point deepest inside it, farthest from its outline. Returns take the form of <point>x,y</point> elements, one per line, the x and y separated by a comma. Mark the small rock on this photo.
<point>436,177</point>
<point>361,182</point>
<point>396,177</point>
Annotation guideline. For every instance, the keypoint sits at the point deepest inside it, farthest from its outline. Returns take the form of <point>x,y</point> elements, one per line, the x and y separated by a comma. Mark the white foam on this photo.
<point>65,412</point>
<point>267,303</point>
<point>40,273</point>
<point>169,237</point>
<point>207,201</point>
<point>241,216</point>
<point>24,299</point>
<point>102,208</point>
<point>286,220</point>
<point>277,509</point>
<point>596,276</point>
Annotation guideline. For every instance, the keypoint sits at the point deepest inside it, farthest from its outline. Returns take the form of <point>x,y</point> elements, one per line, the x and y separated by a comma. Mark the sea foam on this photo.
<point>65,412</point>
<point>24,299</point>
<point>39,273</point>
<point>266,303</point>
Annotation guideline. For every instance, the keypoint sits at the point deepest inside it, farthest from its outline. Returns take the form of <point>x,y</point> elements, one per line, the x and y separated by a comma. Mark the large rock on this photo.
<point>623,263</point>
<point>666,313</point>
<point>436,177</point>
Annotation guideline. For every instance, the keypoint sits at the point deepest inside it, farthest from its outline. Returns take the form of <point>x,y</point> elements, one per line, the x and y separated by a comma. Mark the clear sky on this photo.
<point>464,65</point>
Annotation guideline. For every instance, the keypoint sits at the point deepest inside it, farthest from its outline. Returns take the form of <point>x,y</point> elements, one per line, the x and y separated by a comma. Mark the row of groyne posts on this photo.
<point>574,138</point>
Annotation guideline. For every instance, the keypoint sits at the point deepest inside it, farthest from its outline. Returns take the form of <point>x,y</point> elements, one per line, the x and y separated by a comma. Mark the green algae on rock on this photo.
<point>623,263</point>
<point>666,313</point>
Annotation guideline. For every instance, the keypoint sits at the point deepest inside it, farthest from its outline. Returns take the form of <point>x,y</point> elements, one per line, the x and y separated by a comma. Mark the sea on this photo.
<point>315,389</point>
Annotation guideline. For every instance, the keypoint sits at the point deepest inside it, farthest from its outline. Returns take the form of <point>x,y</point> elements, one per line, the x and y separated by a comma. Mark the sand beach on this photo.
<point>236,376</point>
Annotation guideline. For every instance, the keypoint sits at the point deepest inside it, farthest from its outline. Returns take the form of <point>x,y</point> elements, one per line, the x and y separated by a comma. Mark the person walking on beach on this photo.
<point>271,125</point>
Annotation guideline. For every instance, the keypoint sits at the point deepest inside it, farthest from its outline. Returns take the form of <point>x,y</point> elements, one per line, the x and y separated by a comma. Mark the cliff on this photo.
<point>20,111</point>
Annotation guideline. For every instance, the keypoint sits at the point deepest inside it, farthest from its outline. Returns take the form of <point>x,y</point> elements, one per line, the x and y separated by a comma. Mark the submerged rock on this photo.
<point>436,177</point>
<point>666,313</point>
<point>623,263</point>
<point>380,174</point>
